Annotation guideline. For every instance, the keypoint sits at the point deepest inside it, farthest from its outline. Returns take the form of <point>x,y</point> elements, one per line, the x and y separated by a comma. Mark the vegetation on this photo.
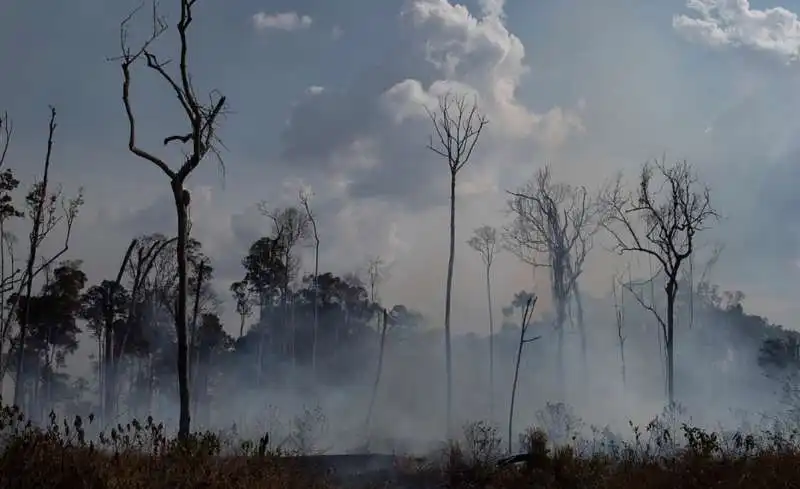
<point>141,455</point>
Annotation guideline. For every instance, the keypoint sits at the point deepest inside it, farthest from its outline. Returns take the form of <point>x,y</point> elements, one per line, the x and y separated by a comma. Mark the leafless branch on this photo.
<point>457,127</point>
<point>201,117</point>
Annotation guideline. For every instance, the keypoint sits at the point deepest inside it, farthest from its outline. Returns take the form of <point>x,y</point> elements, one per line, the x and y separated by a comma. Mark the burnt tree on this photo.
<point>484,241</point>
<point>457,126</point>
<point>554,226</point>
<point>661,219</point>
<point>199,135</point>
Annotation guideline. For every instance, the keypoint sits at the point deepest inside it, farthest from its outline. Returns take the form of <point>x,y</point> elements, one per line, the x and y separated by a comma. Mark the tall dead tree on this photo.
<point>484,241</point>
<point>305,199</point>
<point>457,126</point>
<point>200,134</point>
<point>377,271</point>
<point>8,212</point>
<point>42,203</point>
<point>670,213</point>
<point>378,372</point>
<point>527,312</point>
<point>554,226</point>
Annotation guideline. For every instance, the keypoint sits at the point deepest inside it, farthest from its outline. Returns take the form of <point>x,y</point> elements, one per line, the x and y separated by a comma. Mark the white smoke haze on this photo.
<point>627,93</point>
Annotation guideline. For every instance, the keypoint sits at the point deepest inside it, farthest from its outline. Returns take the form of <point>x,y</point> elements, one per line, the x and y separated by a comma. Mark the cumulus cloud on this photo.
<point>719,23</point>
<point>480,55</point>
<point>284,21</point>
<point>367,132</point>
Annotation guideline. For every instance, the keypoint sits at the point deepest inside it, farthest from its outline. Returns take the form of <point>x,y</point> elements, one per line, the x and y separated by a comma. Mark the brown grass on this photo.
<point>139,455</point>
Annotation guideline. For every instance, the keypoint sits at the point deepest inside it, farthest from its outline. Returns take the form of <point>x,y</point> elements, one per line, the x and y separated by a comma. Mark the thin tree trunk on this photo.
<point>378,373</point>
<point>316,308</point>
<point>184,423</point>
<point>619,307</point>
<point>448,299</point>
<point>195,314</point>
<point>576,291</point>
<point>2,303</point>
<point>108,358</point>
<point>491,340</point>
<point>670,347</point>
<point>514,389</point>
<point>293,330</point>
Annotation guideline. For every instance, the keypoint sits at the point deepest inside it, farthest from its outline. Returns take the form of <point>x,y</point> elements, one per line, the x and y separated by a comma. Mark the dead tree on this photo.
<point>201,136</point>
<point>457,126</point>
<point>42,204</point>
<point>484,241</point>
<point>376,269</point>
<point>527,311</point>
<point>554,226</point>
<point>8,212</point>
<point>305,199</point>
<point>378,372</point>
<point>670,214</point>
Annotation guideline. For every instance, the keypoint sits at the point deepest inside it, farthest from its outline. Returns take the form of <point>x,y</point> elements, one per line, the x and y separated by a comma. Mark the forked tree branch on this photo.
<point>457,127</point>
<point>200,117</point>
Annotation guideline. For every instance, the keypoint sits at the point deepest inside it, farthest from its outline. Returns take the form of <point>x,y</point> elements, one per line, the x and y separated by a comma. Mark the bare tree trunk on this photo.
<point>670,343</point>
<point>526,314</point>
<point>108,388</point>
<point>619,308</point>
<point>378,373</point>
<point>194,365</point>
<point>180,310</point>
<point>576,294</point>
<point>196,313</point>
<point>514,390</point>
<point>491,340</point>
<point>448,299</point>
<point>316,306</point>
<point>2,302</point>
<point>561,318</point>
<point>294,338</point>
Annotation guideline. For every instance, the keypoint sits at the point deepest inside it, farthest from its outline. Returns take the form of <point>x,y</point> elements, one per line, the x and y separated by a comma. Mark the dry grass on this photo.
<point>141,456</point>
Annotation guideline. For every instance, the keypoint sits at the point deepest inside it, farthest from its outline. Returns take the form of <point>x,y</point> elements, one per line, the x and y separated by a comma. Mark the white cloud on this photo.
<point>337,32</point>
<point>315,90</point>
<point>479,55</point>
<point>285,21</point>
<point>718,23</point>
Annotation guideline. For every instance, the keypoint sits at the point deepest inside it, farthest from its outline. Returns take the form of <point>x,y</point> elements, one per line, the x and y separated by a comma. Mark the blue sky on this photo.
<point>329,94</point>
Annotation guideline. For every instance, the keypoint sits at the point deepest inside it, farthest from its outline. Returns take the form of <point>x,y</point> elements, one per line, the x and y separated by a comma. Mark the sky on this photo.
<point>330,96</point>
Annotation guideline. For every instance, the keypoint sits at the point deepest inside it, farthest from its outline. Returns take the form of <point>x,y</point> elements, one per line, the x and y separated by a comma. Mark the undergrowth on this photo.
<point>663,454</point>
